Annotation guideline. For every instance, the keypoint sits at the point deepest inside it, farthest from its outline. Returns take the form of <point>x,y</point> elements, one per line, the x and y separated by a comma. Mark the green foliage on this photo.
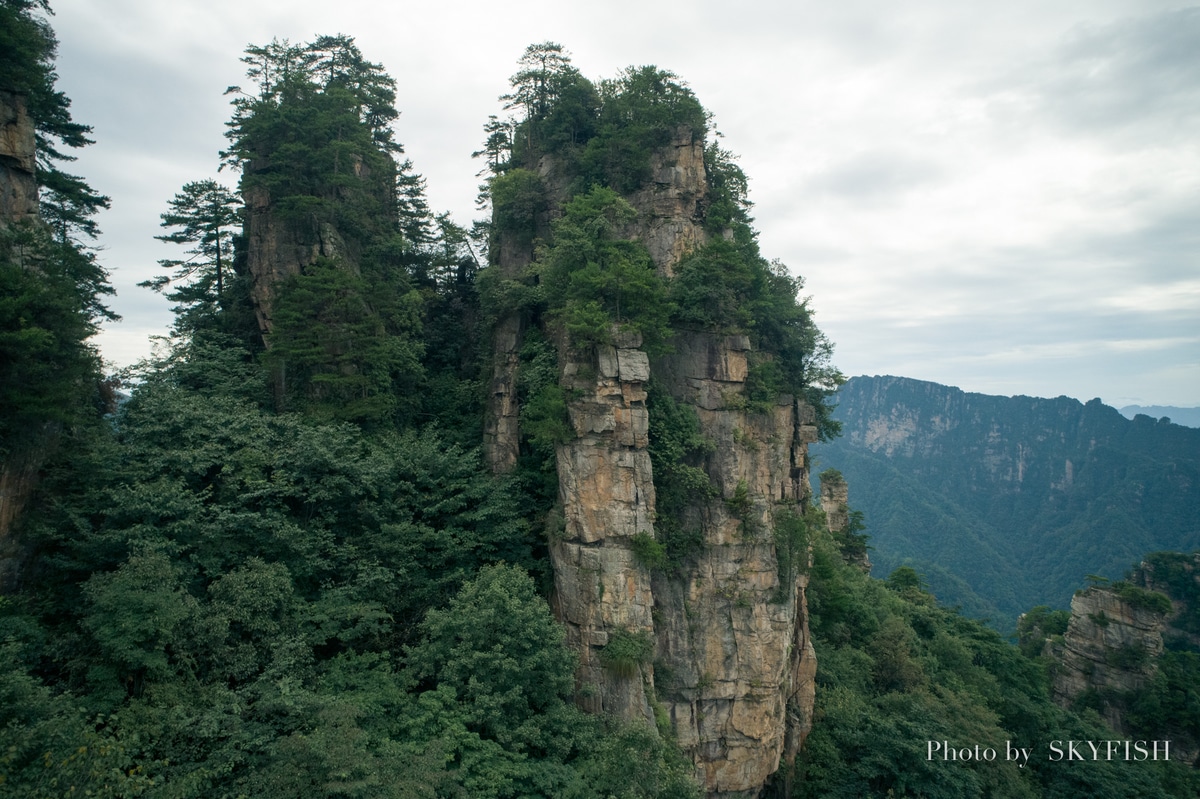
<point>342,352</point>
<point>501,653</point>
<point>895,672</point>
<point>635,763</point>
<point>207,215</point>
<point>51,287</point>
<point>330,65</point>
<point>1138,597</point>
<point>518,199</point>
<point>647,551</point>
<point>742,506</point>
<point>596,282</point>
<point>234,599</point>
<point>728,206</point>
<point>558,104</point>
<point>792,538</point>
<point>136,613</point>
<point>545,420</point>
<point>713,289</point>
<point>49,307</point>
<point>626,652</point>
<point>27,51</point>
<point>640,111</point>
<point>905,579</point>
<point>1040,623</point>
<point>1168,708</point>
<point>677,452</point>
<point>604,135</point>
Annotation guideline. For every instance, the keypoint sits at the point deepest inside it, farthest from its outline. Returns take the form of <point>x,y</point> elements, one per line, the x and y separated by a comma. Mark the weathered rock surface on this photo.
<point>18,183</point>
<point>835,498</point>
<point>1110,646</point>
<point>835,502</point>
<point>606,488</point>
<point>733,639</point>
<point>734,664</point>
<point>671,207</point>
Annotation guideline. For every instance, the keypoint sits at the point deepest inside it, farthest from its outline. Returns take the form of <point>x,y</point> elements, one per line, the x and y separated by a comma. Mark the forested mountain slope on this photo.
<point>1006,502</point>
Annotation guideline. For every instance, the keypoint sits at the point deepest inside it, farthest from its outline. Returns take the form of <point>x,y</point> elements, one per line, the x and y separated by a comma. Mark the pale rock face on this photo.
<point>734,662</point>
<point>835,501</point>
<point>606,490</point>
<point>671,208</point>
<point>835,496</point>
<point>1102,625</point>
<point>732,639</point>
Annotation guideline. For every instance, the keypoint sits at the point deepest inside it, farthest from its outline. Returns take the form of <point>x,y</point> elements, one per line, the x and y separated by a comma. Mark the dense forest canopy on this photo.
<point>279,569</point>
<point>53,285</point>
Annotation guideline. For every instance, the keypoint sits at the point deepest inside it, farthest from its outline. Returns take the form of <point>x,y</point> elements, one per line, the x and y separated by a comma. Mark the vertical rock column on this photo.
<point>607,493</point>
<point>736,663</point>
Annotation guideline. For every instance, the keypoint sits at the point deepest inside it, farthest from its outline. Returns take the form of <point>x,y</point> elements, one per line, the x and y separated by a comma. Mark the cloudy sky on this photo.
<point>1003,197</point>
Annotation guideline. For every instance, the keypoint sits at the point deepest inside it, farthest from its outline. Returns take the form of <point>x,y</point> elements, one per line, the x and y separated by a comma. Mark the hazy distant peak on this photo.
<point>1188,417</point>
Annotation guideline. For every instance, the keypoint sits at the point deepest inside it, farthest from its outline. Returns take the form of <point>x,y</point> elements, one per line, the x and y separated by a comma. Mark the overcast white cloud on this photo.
<point>1002,197</point>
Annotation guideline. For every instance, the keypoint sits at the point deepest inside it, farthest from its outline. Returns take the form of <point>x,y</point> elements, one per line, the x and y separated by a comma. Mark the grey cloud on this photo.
<point>877,176</point>
<point>1140,74</point>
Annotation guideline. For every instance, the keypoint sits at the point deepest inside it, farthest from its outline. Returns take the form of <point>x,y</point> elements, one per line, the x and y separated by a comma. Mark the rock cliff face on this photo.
<point>18,205</point>
<point>835,502</point>
<point>1119,636</point>
<point>18,185</point>
<point>1001,502</point>
<point>671,207</point>
<point>606,489</point>
<point>277,251</point>
<point>731,636</point>
<point>721,646</point>
<point>1109,647</point>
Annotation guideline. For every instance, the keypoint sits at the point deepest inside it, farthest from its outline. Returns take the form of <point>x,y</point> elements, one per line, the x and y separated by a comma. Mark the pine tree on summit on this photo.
<point>207,215</point>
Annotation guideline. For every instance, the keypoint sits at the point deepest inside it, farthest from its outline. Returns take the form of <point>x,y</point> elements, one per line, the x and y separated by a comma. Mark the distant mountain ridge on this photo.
<point>1188,417</point>
<point>1004,503</point>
